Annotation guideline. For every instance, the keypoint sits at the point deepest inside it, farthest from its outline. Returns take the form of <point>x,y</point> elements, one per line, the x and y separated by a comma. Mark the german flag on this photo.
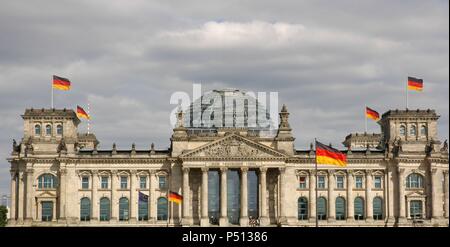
<point>175,197</point>
<point>329,156</point>
<point>415,84</point>
<point>61,83</point>
<point>81,113</point>
<point>372,114</point>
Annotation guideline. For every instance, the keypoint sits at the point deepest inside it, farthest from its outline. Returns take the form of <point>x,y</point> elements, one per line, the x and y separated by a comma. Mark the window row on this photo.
<point>340,182</point>
<point>415,208</point>
<point>413,181</point>
<point>48,129</point>
<point>124,209</point>
<point>413,130</point>
<point>104,182</point>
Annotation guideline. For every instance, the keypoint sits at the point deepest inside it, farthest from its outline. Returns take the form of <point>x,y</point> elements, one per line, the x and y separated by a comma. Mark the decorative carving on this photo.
<point>205,169</point>
<point>62,147</point>
<point>232,147</point>
<point>114,149</point>
<point>445,147</point>
<point>152,148</point>
<point>186,170</point>
<point>29,146</point>
<point>15,147</point>
<point>244,169</point>
<point>262,169</point>
<point>224,169</point>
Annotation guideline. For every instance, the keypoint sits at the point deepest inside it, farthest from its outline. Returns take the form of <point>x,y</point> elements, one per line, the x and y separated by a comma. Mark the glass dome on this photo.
<point>228,108</point>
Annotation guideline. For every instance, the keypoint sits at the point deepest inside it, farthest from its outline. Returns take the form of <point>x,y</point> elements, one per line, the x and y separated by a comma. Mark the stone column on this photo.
<point>401,199</point>
<point>223,197</point>
<point>369,205</point>
<point>389,190</point>
<point>133,196</point>
<point>283,219</point>
<point>312,196</point>
<point>62,193</point>
<point>243,219</point>
<point>350,207</point>
<point>436,195</point>
<point>151,195</point>
<point>204,220</point>
<point>186,197</point>
<point>331,199</point>
<point>94,201</point>
<point>114,194</point>
<point>446,213</point>
<point>12,214</point>
<point>264,220</point>
<point>29,196</point>
<point>21,200</point>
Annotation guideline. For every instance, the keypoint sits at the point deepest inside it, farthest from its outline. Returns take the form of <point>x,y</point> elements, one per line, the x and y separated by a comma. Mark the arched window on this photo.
<point>143,209</point>
<point>105,209</point>
<point>423,130</point>
<point>414,181</point>
<point>59,130</point>
<point>415,209</point>
<point>162,208</point>
<point>359,208</point>
<point>47,181</point>
<point>402,130</point>
<point>302,208</point>
<point>124,209</point>
<point>48,130</point>
<point>37,129</point>
<point>85,209</point>
<point>340,208</point>
<point>377,208</point>
<point>413,130</point>
<point>322,208</point>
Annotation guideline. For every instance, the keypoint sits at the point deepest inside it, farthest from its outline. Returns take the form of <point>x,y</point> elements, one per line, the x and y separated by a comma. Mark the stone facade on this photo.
<point>60,178</point>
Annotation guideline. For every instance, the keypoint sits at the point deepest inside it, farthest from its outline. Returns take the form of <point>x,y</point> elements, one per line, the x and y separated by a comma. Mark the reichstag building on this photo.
<point>230,172</point>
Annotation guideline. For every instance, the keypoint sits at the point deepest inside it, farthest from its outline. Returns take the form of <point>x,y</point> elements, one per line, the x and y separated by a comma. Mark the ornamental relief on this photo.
<point>232,148</point>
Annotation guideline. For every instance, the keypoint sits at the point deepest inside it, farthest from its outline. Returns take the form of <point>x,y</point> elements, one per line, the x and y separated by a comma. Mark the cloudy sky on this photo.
<point>326,60</point>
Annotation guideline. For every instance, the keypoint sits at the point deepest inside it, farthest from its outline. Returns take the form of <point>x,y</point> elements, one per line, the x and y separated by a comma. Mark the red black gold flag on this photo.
<point>329,156</point>
<point>372,114</point>
<point>81,113</point>
<point>61,83</point>
<point>415,84</point>
<point>175,197</point>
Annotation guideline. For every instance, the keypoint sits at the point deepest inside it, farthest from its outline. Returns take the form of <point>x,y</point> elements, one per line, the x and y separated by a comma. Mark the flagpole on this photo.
<point>407,95</point>
<point>52,94</point>
<point>365,119</point>
<point>315,186</point>
<point>89,118</point>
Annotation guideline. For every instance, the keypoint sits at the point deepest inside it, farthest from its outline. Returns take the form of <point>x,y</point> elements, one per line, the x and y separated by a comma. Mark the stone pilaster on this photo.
<point>243,219</point>
<point>151,194</point>
<point>133,196</point>
<point>369,205</point>
<point>186,197</point>
<point>401,199</point>
<point>94,201</point>
<point>21,200</point>
<point>283,218</point>
<point>62,194</point>
<point>331,199</point>
<point>350,200</point>
<point>204,221</point>
<point>114,195</point>
<point>436,195</point>
<point>264,220</point>
<point>312,196</point>
<point>12,213</point>
<point>446,202</point>
<point>29,195</point>
<point>223,197</point>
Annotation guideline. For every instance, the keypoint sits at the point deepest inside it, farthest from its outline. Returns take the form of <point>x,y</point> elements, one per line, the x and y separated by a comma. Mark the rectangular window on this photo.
<point>359,182</point>
<point>302,184</point>
<point>123,182</point>
<point>162,182</point>
<point>143,182</point>
<point>85,182</point>
<point>47,211</point>
<point>340,182</point>
<point>321,182</point>
<point>377,182</point>
<point>104,184</point>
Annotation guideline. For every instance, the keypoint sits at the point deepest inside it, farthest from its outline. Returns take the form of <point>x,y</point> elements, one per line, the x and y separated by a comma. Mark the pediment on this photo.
<point>46,194</point>
<point>233,146</point>
<point>415,194</point>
